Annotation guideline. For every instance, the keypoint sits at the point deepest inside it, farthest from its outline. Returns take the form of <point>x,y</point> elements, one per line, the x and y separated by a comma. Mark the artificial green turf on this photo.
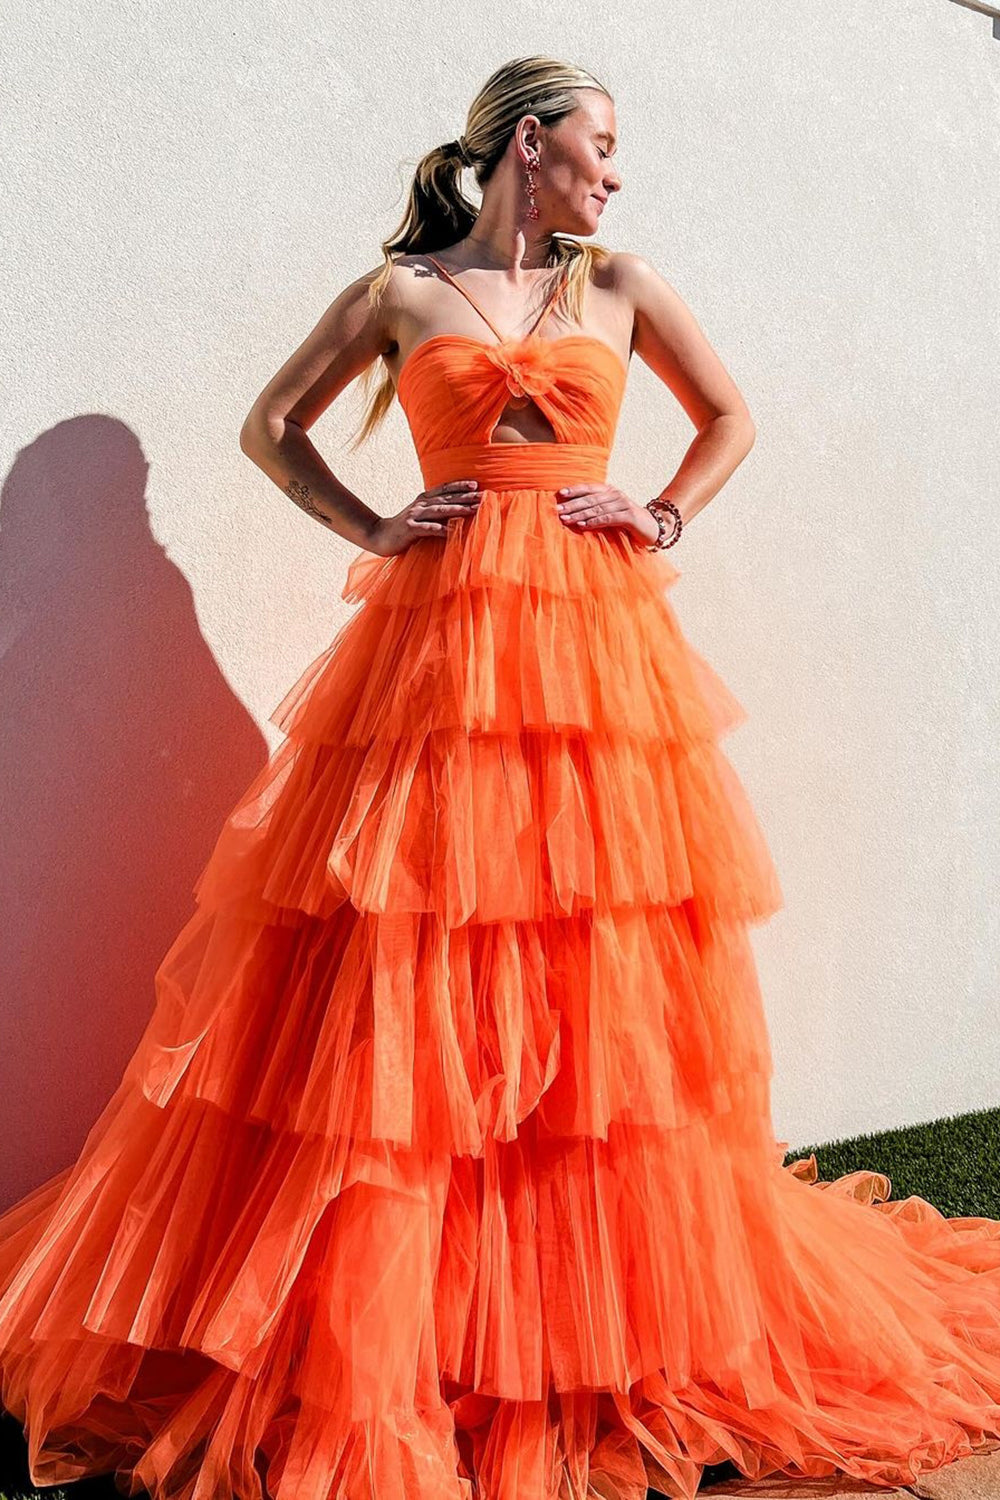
<point>952,1162</point>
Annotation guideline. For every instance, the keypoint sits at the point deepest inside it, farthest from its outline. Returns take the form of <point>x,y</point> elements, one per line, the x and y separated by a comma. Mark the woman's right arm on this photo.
<point>347,338</point>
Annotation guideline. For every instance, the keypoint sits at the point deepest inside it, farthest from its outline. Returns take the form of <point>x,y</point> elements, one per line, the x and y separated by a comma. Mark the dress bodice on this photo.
<point>454,388</point>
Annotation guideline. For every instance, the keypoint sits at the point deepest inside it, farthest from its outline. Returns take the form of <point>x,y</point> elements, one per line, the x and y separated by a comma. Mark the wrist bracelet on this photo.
<point>663,539</point>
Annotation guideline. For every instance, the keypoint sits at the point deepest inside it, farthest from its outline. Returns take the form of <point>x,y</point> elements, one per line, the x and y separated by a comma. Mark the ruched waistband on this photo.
<point>513,465</point>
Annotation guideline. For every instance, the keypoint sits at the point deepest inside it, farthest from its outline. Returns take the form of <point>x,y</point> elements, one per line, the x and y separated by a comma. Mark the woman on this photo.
<point>445,1166</point>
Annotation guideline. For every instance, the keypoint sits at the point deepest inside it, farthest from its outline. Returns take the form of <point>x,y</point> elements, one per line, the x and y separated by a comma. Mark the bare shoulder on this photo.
<point>348,336</point>
<point>392,294</point>
<point>614,266</point>
<point>408,271</point>
<point>638,282</point>
<point>356,304</point>
<point>627,285</point>
<point>609,270</point>
<point>668,337</point>
<point>406,298</point>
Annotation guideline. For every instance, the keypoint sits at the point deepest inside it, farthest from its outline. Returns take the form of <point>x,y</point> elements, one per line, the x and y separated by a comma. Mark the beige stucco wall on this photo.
<point>188,188</point>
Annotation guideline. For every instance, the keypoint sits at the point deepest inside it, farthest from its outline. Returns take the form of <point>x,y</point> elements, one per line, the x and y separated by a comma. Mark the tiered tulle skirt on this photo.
<point>445,1166</point>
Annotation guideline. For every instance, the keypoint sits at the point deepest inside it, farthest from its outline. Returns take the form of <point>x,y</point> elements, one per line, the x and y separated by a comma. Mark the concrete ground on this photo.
<point>974,1478</point>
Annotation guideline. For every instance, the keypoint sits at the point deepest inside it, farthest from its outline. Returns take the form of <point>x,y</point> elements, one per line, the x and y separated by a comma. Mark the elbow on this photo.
<point>255,436</point>
<point>249,437</point>
<point>743,425</point>
<point>738,426</point>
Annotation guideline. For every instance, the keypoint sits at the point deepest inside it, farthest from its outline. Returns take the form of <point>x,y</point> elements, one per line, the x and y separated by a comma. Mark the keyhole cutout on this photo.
<point>524,417</point>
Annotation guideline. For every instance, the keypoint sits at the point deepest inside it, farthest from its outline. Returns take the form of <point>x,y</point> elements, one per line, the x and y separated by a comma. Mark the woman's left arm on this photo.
<point>667,337</point>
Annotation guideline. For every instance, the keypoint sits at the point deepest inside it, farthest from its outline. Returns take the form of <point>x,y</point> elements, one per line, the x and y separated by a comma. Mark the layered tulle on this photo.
<point>445,1165</point>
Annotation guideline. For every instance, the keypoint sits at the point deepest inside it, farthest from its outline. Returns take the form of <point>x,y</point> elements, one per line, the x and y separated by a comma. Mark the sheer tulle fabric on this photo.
<point>445,1165</point>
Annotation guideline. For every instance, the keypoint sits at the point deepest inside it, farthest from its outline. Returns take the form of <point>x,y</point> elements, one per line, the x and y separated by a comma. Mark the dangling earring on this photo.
<point>530,167</point>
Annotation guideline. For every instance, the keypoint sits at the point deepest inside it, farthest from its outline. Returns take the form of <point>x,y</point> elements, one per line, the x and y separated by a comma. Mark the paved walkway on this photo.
<point>973,1478</point>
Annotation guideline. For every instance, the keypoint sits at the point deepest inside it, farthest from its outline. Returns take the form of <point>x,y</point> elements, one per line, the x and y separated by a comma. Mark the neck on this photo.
<point>508,245</point>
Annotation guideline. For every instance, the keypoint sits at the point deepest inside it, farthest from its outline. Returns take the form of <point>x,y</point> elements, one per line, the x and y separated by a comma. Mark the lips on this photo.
<point>600,200</point>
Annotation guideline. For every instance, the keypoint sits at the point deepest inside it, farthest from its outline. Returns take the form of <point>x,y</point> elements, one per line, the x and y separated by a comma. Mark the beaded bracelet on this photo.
<point>654,507</point>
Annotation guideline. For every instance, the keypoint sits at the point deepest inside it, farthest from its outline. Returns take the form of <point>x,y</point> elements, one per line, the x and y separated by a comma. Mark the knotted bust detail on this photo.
<point>530,364</point>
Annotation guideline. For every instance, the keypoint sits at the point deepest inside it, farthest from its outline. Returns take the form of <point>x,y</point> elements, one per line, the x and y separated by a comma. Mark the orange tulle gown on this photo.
<point>445,1166</point>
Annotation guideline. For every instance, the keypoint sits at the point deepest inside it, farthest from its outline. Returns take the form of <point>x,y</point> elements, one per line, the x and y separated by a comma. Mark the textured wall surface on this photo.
<point>188,187</point>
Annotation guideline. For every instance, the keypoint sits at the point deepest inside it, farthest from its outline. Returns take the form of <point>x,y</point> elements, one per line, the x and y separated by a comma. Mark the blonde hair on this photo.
<point>438,212</point>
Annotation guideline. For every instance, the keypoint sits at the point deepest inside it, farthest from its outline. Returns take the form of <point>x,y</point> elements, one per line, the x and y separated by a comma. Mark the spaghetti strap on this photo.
<point>466,294</point>
<point>549,303</point>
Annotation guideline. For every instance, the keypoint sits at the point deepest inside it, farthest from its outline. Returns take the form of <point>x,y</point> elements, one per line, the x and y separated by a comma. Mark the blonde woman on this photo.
<point>445,1167</point>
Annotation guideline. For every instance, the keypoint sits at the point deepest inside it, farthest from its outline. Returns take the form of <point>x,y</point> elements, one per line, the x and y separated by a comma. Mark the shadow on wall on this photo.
<point>123,749</point>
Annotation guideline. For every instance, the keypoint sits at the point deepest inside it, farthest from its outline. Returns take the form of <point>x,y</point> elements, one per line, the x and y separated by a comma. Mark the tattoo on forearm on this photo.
<point>302,496</point>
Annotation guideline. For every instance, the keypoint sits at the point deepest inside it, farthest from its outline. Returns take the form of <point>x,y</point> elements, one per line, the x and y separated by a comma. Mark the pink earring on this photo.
<point>530,167</point>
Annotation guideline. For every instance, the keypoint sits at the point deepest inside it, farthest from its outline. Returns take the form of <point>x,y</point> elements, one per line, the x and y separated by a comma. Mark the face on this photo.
<point>578,172</point>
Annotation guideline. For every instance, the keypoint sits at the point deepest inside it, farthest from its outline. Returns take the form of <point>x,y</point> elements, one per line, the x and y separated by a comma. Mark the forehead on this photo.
<point>596,114</point>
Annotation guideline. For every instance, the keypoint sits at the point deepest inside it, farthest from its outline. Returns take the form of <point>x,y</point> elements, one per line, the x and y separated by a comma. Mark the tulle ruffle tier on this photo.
<point>501,734</point>
<point>397,1029</point>
<point>570,1315</point>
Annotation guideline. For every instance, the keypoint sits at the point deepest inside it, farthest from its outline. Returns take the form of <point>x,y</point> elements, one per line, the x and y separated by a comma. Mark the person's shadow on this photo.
<point>123,750</point>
